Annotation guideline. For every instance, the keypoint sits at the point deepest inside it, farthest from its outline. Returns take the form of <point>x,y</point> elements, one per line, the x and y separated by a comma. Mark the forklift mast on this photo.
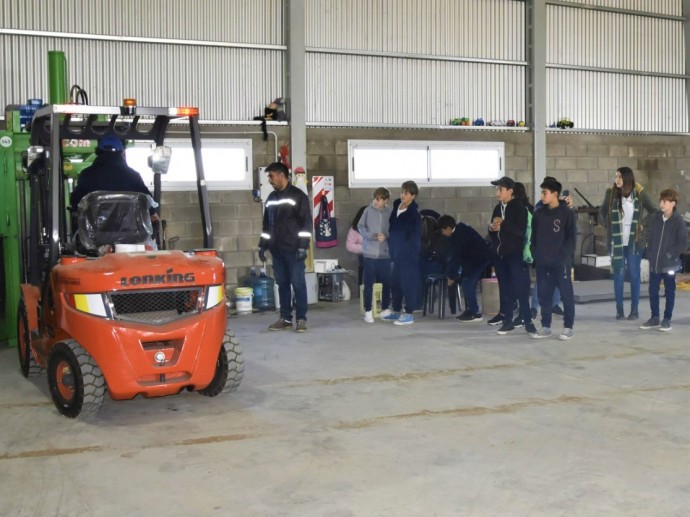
<point>38,229</point>
<point>57,123</point>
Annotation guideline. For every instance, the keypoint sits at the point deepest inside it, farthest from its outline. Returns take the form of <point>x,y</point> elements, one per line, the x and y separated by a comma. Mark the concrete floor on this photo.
<point>349,419</point>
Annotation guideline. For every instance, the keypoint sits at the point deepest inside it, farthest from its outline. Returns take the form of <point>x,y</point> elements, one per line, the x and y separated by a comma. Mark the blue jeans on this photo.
<point>669,292</point>
<point>405,283</point>
<point>377,270</point>
<point>550,277</point>
<point>513,284</point>
<point>290,272</point>
<point>470,279</point>
<point>632,261</point>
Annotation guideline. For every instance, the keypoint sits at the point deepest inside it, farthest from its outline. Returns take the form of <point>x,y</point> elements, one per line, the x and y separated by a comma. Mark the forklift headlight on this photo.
<point>214,296</point>
<point>93,304</point>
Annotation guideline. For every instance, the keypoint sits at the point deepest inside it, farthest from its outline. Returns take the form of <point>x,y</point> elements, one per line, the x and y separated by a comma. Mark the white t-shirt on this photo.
<point>628,211</point>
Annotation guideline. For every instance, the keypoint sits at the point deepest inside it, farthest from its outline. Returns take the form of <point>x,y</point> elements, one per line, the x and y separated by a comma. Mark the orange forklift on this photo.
<point>100,311</point>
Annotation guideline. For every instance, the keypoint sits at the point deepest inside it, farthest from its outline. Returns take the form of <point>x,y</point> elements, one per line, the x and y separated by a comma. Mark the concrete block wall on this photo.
<point>236,217</point>
<point>583,161</point>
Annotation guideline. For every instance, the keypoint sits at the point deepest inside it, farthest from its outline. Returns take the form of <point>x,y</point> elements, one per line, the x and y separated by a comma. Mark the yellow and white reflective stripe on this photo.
<point>214,296</point>
<point>265,236</point>
<point>91,304</point>
<point>285,201</point>
<point>304,234</point>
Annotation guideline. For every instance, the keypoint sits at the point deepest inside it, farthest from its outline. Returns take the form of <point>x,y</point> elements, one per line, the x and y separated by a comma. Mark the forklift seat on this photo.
<point>109,218</point>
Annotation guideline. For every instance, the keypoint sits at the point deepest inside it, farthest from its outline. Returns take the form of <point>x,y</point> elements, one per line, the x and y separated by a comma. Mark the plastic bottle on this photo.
<point>264,294</point>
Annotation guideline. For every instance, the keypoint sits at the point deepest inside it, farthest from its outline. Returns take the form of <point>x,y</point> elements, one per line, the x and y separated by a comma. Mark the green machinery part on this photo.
<point>14,193</point>
<point>57,77</point>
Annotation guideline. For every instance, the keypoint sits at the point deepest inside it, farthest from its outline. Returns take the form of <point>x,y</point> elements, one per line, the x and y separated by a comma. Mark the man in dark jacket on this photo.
<point>553,247</point>
<point>287,228</point>
<point>109,171</point>
<point>469,251</point>
<point>508,233</point>
<point>404,245</point>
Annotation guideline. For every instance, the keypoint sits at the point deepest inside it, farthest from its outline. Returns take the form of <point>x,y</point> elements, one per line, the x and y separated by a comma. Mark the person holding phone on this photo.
<point>564,198</point>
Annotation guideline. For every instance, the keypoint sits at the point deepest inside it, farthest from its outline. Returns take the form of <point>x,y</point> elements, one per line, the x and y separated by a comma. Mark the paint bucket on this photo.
<point>243,299</point>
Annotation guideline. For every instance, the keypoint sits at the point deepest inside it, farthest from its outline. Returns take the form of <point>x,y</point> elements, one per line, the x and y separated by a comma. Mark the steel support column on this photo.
<point>535,19</point>
<point>686,42</point>
<point>296,65</point>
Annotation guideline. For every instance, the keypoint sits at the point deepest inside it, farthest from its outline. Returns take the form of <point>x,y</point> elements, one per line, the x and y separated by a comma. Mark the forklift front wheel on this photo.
<point>229,367</point>
<point>75,380</point>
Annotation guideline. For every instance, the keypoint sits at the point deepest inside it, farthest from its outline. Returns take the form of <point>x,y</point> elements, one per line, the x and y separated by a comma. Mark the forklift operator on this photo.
<point>109,172</point>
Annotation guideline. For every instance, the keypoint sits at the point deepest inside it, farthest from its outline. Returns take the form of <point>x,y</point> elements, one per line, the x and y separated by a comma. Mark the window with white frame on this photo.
<point>227,164</point>
<point>374,163</point>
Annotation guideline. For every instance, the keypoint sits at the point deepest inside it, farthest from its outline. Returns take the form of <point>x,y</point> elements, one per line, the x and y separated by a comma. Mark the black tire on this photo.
<point>75,381</point>
<point>27,363</point>
<point>229,367</point>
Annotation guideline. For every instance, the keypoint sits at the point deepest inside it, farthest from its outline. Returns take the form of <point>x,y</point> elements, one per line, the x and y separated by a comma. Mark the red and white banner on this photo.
<point>322,186</point>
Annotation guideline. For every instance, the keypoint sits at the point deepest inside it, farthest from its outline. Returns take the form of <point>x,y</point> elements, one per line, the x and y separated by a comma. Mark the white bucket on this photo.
<point>243,299</point>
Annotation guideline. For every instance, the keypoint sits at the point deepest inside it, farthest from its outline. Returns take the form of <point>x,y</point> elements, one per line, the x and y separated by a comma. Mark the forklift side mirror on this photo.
<point>159,160</point>
<point>33,153</point>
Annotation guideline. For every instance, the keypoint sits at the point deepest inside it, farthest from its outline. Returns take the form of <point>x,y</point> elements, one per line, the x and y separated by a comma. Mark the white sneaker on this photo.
<point>368,317</point>
<point>384,314</point>
<point>541,333</point>
<point>566,335</point>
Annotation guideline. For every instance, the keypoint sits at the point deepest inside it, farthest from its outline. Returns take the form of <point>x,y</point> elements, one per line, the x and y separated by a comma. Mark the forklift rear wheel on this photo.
<point>75,380</point>
<point>27,363</point>
<point>229,367</point>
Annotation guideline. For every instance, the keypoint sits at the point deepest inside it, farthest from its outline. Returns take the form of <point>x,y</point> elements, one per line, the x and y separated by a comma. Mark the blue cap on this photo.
<point>110,143</point>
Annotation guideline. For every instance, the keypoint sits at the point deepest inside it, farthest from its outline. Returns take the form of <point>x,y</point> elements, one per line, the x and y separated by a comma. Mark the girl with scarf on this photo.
<point>623,212</point>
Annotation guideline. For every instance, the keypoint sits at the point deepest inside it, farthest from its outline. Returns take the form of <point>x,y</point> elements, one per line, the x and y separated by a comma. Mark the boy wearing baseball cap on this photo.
<point>508,232</point>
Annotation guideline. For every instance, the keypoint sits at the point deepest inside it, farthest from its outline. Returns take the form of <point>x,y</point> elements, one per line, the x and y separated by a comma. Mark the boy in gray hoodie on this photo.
<point>373,227</point>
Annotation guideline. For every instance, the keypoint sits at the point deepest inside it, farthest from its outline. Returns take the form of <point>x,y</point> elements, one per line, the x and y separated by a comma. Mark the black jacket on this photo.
<point>510,239</point>
<point>466,249</point>
<point>110,172</point>
<point>287,224</point>
<point>553,235</point>
<point>666,241</point>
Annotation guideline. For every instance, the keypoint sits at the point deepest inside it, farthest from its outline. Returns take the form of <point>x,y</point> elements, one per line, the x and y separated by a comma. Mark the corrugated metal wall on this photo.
<point>231,66</point>
<point>487,29</point>
<point>663,7</point>
<point>616,102</point>
<point>408,62</point>
<point>581,37</point>
<point>231,21</point>
<point>372,90</point>
<point>369,62</point>
<point>634,67</point>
